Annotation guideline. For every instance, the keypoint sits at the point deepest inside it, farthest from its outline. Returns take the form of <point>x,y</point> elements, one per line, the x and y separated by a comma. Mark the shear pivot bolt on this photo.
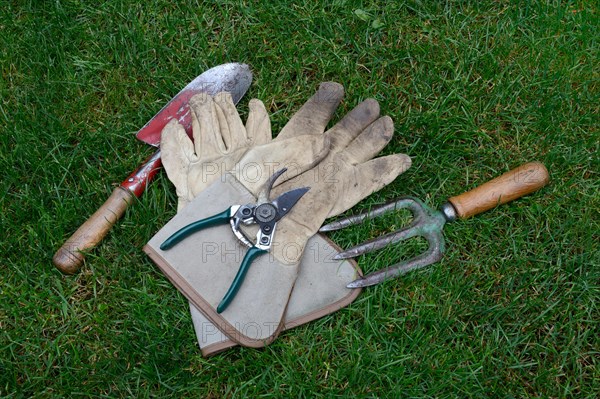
<point>265,213</point>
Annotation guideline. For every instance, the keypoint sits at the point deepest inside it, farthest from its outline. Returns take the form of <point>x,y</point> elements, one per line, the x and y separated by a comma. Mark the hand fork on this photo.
<point>429,223</point>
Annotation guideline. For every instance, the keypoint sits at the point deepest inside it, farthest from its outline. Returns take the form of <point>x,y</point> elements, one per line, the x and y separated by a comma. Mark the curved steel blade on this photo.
<point>233,77</point>
<point>286,201</point>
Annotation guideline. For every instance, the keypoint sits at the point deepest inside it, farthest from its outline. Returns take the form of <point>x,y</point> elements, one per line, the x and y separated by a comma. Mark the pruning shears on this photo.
<point>265,213</point>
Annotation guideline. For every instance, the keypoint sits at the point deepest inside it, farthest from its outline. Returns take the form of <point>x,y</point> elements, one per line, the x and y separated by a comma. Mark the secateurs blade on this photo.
<point>265,213</point>
<point>428,223</point>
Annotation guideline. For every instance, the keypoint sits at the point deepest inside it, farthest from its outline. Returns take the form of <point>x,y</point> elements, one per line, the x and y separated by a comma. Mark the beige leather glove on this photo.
<point>220,140</point>
<point>321,282</point>
<point>347,175</point>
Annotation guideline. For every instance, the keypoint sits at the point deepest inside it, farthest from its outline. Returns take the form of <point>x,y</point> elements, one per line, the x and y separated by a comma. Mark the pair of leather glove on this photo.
<point>229,163</point>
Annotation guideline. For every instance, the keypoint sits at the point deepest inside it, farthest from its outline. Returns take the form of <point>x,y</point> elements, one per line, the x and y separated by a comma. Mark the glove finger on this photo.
<point>370,177</point>
<point>208,141</point>
<point>316,113</point>
<point>260,163</point>
<point>353,124</point>
<point>232,129</point>
<point>258,125</point>
<point>177,153</point>
<point>370,142</point>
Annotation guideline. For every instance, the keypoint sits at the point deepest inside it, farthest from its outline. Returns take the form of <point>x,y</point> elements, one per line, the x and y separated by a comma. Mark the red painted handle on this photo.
<point>138,180</point>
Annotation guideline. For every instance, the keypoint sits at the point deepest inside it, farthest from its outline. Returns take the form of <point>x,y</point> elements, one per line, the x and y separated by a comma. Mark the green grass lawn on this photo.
<point>474,88</point>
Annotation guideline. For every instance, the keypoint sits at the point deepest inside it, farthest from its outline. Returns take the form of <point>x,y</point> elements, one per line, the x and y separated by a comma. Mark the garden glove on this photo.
<point>320,288</point>
<point>220,140</point>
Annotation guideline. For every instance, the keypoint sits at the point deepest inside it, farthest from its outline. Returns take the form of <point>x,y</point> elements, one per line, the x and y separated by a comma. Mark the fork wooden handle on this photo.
<point>512,185</point>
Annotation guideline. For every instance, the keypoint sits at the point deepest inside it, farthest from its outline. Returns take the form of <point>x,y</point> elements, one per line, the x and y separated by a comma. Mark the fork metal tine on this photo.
<point>380,242</point>
<point>401,203</point>
<point>432,255</point>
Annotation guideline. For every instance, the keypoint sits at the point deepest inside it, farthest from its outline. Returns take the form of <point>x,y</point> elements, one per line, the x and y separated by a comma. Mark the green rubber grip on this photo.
<point>252,253</point>
<point>179,235</point>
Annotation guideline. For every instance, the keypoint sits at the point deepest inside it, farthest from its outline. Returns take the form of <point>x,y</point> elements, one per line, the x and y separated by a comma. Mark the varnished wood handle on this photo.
<point>69,258</point>
<point>512,185</point>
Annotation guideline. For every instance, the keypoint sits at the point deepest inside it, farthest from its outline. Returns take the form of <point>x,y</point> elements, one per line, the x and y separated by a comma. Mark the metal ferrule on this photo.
<point>449,212</point>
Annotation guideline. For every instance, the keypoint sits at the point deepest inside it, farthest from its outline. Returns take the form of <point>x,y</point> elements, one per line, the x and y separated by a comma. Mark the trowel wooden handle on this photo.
<point>69,258</point>
<point>512,185</point>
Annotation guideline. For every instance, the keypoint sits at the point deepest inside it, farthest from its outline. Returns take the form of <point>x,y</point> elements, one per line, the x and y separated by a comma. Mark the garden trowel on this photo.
<point>234,78</point>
